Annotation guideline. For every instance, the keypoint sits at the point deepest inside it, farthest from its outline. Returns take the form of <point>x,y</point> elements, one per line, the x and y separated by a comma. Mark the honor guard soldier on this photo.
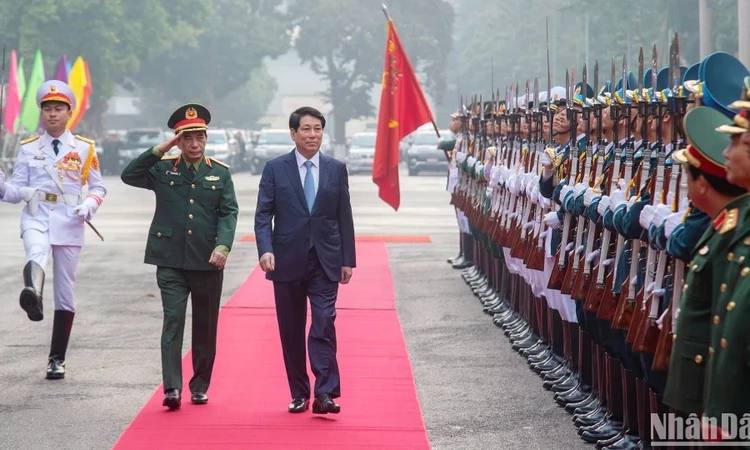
<point>50,174</point>
<point>726,389</point>
<point>189,240</point>
<point>711,192</point>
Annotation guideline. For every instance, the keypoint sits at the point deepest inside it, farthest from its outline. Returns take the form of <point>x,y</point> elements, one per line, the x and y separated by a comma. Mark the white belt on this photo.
<point>49,197</point>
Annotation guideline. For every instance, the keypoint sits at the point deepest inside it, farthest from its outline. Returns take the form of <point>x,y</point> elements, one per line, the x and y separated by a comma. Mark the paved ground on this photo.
<point>476,393</point>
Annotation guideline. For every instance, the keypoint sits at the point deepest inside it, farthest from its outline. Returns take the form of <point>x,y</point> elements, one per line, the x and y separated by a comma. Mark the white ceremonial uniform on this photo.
<point>49,222</point>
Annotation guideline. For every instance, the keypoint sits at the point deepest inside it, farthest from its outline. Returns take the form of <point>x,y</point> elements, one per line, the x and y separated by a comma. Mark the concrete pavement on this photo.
<point>475,392</point>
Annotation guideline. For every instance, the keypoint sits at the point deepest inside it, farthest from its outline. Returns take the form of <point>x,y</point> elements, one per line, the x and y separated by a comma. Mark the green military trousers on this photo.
<point>204,288</point>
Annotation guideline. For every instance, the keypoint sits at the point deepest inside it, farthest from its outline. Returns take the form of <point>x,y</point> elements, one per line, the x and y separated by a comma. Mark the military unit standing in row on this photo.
<point>606,228</point>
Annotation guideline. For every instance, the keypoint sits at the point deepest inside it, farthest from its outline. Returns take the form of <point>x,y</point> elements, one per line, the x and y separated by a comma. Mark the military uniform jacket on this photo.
<point>49,209</point>
<point>194,213</point>
<point>705,272</point>
<point>727,389</point>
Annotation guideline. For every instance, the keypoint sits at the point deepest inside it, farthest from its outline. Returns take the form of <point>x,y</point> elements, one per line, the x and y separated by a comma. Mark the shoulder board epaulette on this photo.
<point>31,139</point>
<point>168,157</point>
<point>219,162</point>
<point>730,221</point>
<point>86,140</point>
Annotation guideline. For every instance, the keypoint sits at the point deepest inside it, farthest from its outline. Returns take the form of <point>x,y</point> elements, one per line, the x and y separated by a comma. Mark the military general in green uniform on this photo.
<point>189,240</point>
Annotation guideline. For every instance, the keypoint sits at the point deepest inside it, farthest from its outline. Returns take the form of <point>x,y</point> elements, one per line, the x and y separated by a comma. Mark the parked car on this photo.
<point>360,152</point>
<point>424,155</point>
<point>271,143</point>
<point>222,146</point>
<point>133,143</point>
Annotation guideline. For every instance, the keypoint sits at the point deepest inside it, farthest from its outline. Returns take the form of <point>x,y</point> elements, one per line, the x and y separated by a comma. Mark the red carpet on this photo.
<point>249,392</point>
<point>372,238</point>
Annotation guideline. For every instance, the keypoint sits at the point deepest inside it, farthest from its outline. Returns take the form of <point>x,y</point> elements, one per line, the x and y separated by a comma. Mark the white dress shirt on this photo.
<point>303,170</point>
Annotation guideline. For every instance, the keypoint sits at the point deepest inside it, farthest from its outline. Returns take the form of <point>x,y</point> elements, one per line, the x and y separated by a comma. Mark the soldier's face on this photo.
<point>193,144</point>
<point>455,125</point>
<point>55,116</point>
<point>737,157</point>
<point>560,123</point>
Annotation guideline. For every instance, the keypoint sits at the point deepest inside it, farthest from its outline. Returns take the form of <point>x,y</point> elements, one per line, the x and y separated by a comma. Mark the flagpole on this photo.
<point>388,17</point>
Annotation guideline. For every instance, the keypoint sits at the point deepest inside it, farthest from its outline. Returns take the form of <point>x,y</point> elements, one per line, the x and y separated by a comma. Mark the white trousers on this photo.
<point>463,222</point>
<point>65,263</point>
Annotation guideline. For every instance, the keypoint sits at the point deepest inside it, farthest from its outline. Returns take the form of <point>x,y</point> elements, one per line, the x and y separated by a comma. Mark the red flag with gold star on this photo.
<point>403,109</point>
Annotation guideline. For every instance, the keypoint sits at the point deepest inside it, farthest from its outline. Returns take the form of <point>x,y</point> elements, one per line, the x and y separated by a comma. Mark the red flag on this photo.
<point>403,109</point>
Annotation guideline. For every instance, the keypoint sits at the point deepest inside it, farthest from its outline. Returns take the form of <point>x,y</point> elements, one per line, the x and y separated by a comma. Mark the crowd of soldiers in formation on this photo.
<point>603,230</point>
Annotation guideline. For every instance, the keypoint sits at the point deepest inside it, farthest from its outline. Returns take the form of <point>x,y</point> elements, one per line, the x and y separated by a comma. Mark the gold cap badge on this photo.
<point>191,114</point>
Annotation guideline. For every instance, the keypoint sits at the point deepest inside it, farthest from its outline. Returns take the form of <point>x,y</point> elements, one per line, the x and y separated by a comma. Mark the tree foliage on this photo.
<point>517,44</point>
<point>344,40</point>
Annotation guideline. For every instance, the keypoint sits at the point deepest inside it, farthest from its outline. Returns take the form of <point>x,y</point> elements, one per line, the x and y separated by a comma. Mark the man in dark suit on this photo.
<point>307,251</point>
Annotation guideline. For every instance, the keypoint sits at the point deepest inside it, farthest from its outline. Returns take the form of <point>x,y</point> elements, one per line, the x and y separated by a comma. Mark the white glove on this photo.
<point>647,213</point>
<point>534,193</point>
<point>650,289</point>
<point>670,199</point>
<point>580,249</point>
<point>82,211</point>
<point>495,175</point>
<point>551,220</point>
<point>460,157</point>
<point>514,184</point>
<point>589,196</point>
<point>671,222</point>
<point>27,193</point>
<point>660,320</point>
<point>471,160</point>
<point>564,192</point>
<point>546,162</point>
<point>544,202</point>
<point>660,213</point>
<point>488,191</point>
<point>528,225</point>
<point>578,189</point>
<point>603,205</point>
<point>616,199</point>
<point>592,256</point>
<point>684,204</point>
<point>631,202</point>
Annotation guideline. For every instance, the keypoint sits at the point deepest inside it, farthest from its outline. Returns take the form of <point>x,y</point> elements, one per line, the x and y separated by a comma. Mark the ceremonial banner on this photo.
<point>403,109</point>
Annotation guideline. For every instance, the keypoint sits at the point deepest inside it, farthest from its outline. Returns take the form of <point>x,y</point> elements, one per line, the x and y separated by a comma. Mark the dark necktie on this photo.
<point>55,143</point>
<point>191,169</point>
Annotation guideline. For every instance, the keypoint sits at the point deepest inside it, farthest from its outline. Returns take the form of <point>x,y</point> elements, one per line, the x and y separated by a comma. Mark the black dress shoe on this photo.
<point>199,398</point>
<point>323,404</point>
<point>172,399</point>
<point>299,405</point>
<point>55,369</point>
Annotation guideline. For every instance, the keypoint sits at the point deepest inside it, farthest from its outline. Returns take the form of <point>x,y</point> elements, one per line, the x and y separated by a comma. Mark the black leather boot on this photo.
<point>31,295</point>
<point>61,328</point>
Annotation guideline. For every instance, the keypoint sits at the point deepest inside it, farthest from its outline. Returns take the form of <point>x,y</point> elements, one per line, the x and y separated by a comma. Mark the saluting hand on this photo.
<point>164,147</point>
<point>218,259</point>
<point>267,262</point>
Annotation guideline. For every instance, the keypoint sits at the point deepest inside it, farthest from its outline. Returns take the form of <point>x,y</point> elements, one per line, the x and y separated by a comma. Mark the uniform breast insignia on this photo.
<point>703,250</point>
<point>71,163</point>
<point>730,221</point>
<point>212,178</point>
<point>169,172</point>
<point>40,157</point>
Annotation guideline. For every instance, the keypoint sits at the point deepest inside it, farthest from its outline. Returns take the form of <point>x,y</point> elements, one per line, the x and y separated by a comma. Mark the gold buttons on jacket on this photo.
<point>746,241</point>
<point>171,183</point>
<point>158,234</point>
<point>192,186</point>
<point>192,201</point>
<point>685,288</point>
<point>674,337</point>
<point>213,188</point>
<point>723,287</point>
<point>190,231</point>
<point>723,343</point>
<point>710,351</point>
<point>703,250</point>
<point>745,271</point>
<point>698,359</point>
<point>741,259</point>
<point>730,256</point>
<point>716,320</point>
<point>695,266</point>
<point>190,216</point>
<point>730,306</point>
